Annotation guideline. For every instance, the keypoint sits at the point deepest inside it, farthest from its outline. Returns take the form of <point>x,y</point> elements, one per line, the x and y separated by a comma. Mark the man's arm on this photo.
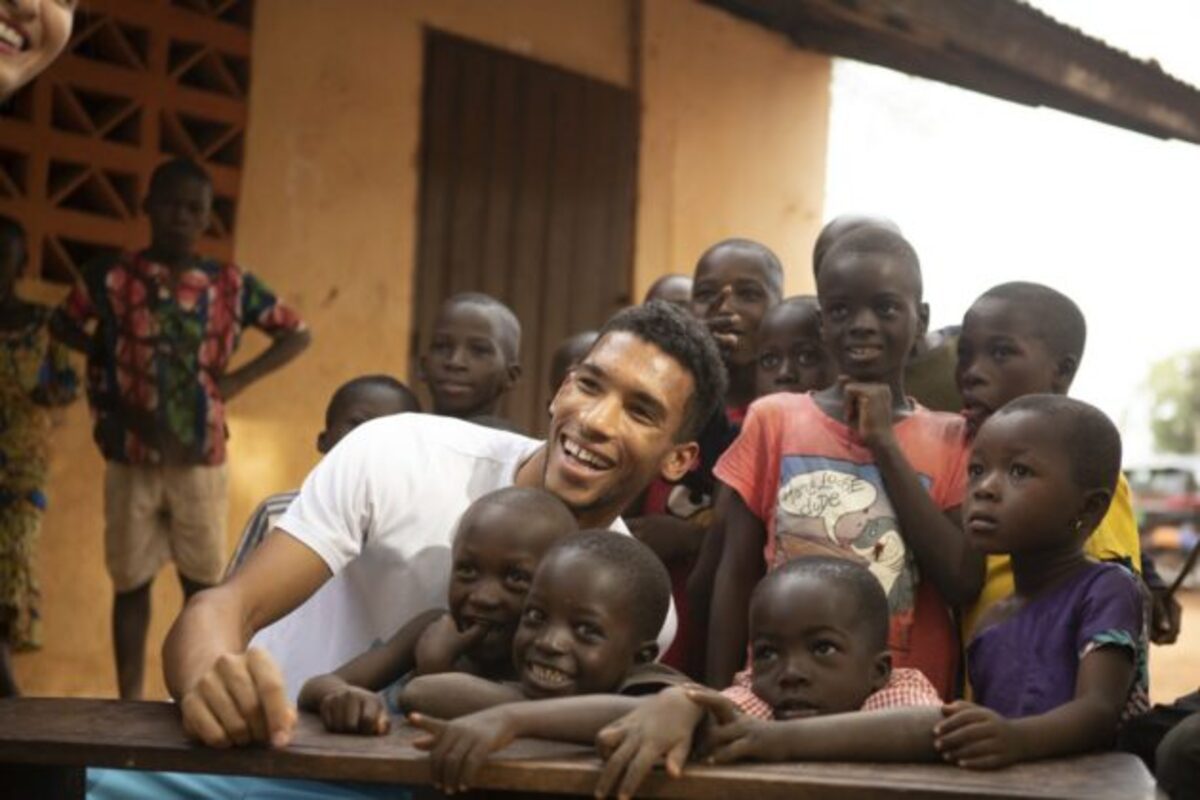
<point>284,347</point>
<point>935,536</point>
<point>740,569</point>
<point>228,696</point>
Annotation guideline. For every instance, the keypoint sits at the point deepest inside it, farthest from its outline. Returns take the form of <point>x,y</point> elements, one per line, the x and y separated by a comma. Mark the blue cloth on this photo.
<point>119,784</point>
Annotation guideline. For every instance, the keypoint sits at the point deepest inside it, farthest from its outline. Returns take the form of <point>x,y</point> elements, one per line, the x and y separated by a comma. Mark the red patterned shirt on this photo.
<point>160,347</point>
<point>905,688</point>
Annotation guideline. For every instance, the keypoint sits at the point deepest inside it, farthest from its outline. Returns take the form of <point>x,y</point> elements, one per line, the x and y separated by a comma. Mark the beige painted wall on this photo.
<point>733,143</point>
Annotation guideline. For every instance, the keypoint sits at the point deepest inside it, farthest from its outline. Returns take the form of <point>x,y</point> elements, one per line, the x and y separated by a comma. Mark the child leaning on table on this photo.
<point>499,542</point>
<point>584,654</point>
<point>1055,668</point>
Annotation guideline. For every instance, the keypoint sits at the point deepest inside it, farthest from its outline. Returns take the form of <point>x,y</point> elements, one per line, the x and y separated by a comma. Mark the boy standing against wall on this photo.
<point>167,322</point>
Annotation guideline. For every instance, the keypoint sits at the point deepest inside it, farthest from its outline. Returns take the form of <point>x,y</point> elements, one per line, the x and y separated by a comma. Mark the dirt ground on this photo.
<point>1175,669</point>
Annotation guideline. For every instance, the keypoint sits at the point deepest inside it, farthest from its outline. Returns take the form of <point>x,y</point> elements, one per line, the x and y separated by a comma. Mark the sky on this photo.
<point>991,191</point>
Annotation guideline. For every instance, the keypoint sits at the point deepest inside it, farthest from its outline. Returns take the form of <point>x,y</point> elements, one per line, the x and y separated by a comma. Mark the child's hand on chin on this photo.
<point>458,748</point>
<point>975,737</point>
<point>442,644</point>
<point>868,411</point>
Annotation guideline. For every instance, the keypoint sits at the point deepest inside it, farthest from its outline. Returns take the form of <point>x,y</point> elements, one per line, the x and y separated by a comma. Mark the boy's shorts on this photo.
<point>153,514</point>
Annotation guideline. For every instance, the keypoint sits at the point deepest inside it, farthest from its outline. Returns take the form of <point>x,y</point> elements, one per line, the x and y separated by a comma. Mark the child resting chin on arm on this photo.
<point>499,543</point>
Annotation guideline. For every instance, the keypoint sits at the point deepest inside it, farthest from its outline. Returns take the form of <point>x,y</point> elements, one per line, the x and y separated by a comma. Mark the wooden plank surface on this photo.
<point>147,736</point>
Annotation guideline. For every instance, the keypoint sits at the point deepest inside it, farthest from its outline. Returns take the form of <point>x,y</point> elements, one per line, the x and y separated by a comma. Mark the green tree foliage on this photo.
<point>1175,403</point>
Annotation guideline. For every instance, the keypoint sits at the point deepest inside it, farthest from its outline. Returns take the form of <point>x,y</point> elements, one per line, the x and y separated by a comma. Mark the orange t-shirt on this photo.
<point>816,488</point>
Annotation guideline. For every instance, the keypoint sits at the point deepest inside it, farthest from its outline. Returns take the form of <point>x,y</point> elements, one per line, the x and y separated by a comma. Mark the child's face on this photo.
<point>791,355</point>
<point>809,653</point>
<point>1021,493</point>
<point>179,212</point>
<point>577,633</point>
<point>365,403</point>
<point>495,555</point>
<point>466,368</point>
<point>999,359</point>
<point>731,294</point>
<point>870,314</point>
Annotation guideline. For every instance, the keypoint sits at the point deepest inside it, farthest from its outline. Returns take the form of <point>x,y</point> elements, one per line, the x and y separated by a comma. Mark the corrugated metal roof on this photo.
<point>1006,48</point>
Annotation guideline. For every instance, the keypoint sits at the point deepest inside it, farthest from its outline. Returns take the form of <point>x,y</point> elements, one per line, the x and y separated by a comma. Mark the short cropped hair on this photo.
<point>643,573</point>
<point>172,172</point>
<point>408,401</point>
<point>876,240</point>
<point>536,506</point>
<point>1089,438</point>
<point>841,225</point>
<point>772,266</point>
<point>510,326</point>
<point>1058,322</point>
<point>569,352</point>
<point>871,609</point>
<point>806,302</point>
<point>663,283</point>
<point>687,340</point>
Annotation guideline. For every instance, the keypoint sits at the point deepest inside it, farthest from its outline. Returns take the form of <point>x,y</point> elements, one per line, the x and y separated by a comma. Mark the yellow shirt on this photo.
<point>1116,539</point>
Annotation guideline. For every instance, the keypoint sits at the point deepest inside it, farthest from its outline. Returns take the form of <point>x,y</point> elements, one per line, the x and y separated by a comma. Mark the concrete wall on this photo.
<point>733,144</point>
<point>733,141</point>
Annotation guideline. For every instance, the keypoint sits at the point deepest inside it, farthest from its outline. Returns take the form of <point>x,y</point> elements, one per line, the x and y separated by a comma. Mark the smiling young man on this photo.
<point>382,507</point>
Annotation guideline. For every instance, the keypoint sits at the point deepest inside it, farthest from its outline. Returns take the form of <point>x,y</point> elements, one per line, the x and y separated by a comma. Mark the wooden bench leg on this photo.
<point>23,781</point>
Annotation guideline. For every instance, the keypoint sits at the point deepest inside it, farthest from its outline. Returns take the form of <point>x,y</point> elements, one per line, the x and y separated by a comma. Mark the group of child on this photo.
<point>909,585</point>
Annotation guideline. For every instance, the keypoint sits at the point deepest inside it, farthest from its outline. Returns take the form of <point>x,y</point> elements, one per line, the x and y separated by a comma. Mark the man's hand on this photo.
<point>458,748</point>
<point>240,700</point>
<point>868,409</point>
<point>354,710</point>
<point>975,737</point>
<point>662,727</point>
<point>1165,617</point>
<point>734,736</point>
<point>442,644</point>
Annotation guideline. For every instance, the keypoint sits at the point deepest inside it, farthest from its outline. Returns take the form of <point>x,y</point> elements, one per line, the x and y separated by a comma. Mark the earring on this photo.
<point>1078,524</point>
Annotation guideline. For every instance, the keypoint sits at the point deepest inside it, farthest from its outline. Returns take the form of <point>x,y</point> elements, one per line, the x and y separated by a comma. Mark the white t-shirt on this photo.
<point>381,510</point>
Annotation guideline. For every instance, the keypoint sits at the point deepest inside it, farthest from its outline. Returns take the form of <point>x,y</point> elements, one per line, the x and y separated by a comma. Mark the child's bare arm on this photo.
<point>976,737</point>
<point>936,537</point>
<point>346,699</point>
<point>740,568</point>
<point>662,727</point>
<point>455,694</point>
<point>457,749</point>
<point>284,347</point>
<point>894,734</point>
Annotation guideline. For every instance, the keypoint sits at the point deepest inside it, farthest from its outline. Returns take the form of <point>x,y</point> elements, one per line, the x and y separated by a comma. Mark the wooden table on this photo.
<point>45,745</point>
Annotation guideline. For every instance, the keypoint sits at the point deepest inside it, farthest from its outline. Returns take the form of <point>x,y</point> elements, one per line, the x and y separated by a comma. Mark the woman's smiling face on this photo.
<point>32,34</point>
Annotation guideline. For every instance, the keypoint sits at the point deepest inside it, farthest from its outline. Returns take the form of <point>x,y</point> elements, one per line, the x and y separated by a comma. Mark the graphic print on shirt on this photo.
<point>833,507</point>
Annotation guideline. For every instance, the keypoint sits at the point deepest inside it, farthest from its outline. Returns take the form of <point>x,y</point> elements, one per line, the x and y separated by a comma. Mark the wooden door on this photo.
<point>527,194</point>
